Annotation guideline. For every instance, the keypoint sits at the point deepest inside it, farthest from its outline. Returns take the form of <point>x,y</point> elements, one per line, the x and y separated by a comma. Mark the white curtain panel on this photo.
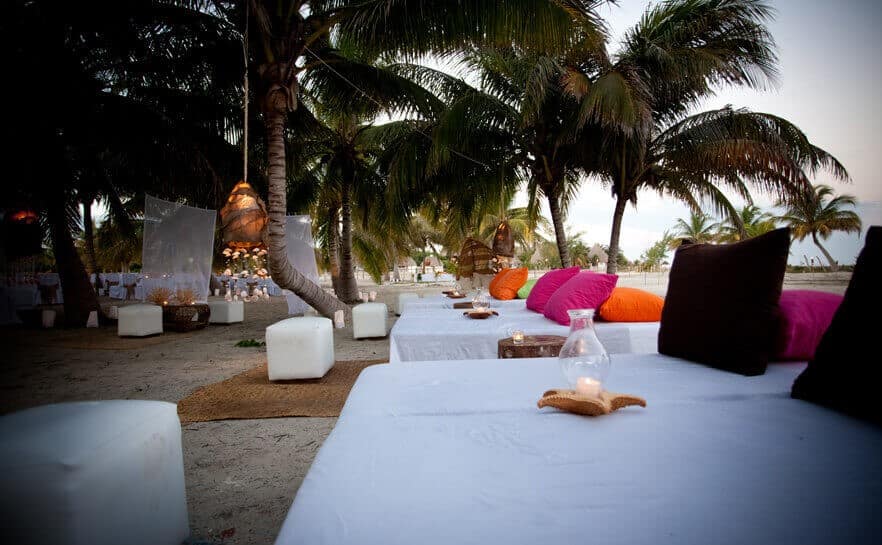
<point>301,254</point>
<point>178,245</point>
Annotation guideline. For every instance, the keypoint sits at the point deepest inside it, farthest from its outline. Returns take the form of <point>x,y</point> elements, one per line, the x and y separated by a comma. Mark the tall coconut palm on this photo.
<point>293,37</point>
<point>699,228</point>
<point>674,57</point>
<point>818,213</point>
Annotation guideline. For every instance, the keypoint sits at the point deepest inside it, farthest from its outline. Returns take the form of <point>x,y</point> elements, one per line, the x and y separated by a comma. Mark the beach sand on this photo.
<point>241,475</point>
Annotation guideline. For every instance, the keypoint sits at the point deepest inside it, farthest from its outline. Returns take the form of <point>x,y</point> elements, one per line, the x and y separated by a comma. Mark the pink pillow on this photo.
<point>804,317</point>
<point>547,285</point>
<point>584,290</point>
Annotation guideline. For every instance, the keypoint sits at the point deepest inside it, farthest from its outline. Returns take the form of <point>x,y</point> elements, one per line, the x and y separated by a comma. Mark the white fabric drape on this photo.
<point>301,255</point>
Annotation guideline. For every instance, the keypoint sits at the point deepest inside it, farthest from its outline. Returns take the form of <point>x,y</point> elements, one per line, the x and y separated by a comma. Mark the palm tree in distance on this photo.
<point>673,58</point>
<point>818,213</point>
<point>699,228</point>
<point>754,222</point>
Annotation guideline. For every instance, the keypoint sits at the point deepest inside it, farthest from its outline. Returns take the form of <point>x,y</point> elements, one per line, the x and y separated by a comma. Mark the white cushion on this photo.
<point>139,320</point>
<point>93,473</point>
<point>403,298</point>
<point>300,347</point>
<point>369,320</point>
<point>226,312</point>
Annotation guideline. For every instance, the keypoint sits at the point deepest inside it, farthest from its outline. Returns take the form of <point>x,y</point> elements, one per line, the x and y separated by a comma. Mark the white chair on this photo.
<point>139,320</point>
<point>300,347</point>
<point>369,320</point>
<point>403,298</point>
<point>93,473</point>
<point>226,312</point>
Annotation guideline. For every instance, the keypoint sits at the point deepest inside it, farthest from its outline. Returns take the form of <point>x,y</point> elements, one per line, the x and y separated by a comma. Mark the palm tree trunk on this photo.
<point>348,284</point>
<point>334,253</point>
<point>286,276</point>
<point>612,262</point>
<point>559,234</point>
<point>79,297</point>
<point>833,265</point>
<point>89,235</point>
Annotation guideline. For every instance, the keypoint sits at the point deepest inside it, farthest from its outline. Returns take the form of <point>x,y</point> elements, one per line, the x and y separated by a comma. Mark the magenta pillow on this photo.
<point>547,285</point>
<point>584,290</point>
<point>804,317</point>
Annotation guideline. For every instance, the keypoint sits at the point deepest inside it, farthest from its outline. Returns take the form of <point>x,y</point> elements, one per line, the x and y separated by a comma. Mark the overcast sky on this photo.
<point>830,87</point>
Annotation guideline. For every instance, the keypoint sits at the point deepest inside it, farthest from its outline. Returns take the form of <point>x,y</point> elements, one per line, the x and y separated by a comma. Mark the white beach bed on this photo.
<point>457,452</point>
<point>445,334</point>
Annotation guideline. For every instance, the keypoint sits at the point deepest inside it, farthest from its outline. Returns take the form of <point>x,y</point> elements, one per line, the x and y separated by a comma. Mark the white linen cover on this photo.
<point>445,334</point>
<point>441,301</point>
<point>457,452</point>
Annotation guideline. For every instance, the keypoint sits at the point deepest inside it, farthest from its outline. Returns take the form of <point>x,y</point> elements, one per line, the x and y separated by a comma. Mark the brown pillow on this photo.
<point>721,306</point>
<point>841,375</point>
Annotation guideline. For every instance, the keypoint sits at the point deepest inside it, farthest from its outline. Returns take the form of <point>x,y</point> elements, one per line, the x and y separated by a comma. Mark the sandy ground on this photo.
<point>241,475</point>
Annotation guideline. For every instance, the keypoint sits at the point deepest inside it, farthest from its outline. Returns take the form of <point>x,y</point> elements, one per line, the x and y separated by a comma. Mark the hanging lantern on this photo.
<point>243,218</point>
<point>475,257</point>
<point>503,240</point>
<point>22,234</point>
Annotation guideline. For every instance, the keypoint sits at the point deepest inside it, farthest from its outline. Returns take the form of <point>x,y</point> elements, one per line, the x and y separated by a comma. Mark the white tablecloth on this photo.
<point>441,301</point>
<point>457,452</point>
<point>445,334</point>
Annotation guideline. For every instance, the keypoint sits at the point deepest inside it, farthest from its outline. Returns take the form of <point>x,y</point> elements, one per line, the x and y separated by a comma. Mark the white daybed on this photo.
<point>445,334</point>
<point>457,452</point>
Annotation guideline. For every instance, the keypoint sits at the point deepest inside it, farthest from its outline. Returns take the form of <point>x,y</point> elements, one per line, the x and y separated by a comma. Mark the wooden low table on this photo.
<point>533,346</point>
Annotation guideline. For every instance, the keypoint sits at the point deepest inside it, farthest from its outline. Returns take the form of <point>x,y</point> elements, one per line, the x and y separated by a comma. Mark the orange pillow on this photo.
<point>632,305</point>
<point>507,285</point>
<point>493,286</point>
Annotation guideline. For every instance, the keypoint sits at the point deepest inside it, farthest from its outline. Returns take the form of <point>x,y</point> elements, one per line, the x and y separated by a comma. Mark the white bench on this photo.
<point>139,320</point>
<point>93,473</point>
<point>369,320</point>
<point>299,347</point>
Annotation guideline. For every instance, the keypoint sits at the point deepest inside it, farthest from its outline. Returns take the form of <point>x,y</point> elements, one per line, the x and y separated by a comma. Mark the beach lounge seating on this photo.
<point>93,473</point>
<point>369,320</point>
<point>139,320</point>
<point>445,334</point>
<point>299,347</point>
<point>458,452</point>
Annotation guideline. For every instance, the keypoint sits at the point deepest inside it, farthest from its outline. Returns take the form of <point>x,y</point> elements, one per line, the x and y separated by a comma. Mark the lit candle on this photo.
<point>517,336</point>
<point>588,387</point>
<point>373,296</point>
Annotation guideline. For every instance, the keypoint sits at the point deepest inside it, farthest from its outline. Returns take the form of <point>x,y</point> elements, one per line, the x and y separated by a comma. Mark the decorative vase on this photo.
<point>584,361</point>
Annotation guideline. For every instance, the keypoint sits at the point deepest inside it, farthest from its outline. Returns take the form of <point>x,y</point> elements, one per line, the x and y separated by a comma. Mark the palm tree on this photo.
<point>754,222</point>
<point>699,228</point>
<point>137,112</point>
<point>641,98</point>
<point>819,214</point>
<point>292,38</point>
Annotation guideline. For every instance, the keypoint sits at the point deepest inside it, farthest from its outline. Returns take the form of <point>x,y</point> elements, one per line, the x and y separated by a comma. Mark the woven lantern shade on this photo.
<point>503,240</point>
<point>243,218</point>
<point>475,257</point>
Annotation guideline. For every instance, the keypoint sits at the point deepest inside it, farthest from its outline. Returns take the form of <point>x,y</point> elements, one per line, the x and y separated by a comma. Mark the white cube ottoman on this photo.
<point>139,320</point>
<point>300,347</point>
<point>226,312</point>
<point>369,320</point>
<point>93,473</point>
<point>403,298</point>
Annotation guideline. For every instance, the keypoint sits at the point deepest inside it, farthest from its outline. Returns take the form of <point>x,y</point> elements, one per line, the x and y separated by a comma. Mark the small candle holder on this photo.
<point>372,296</point>
<point>517,336</point>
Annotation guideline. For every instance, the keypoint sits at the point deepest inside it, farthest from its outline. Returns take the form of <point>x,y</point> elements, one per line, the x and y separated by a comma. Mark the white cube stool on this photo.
<point>139,320</point>
<point>369,320</point>
<point>300,347</point>
<point>403,298</point>
<point>226,312</point>
<point>93,473</point>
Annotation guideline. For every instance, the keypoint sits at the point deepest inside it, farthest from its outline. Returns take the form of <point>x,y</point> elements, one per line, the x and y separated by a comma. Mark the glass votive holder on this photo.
<point>517,336</point>
<point>372,296</point>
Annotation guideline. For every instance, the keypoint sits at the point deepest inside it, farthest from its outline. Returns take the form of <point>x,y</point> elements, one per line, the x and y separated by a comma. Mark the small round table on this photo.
<point>533,346</point>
